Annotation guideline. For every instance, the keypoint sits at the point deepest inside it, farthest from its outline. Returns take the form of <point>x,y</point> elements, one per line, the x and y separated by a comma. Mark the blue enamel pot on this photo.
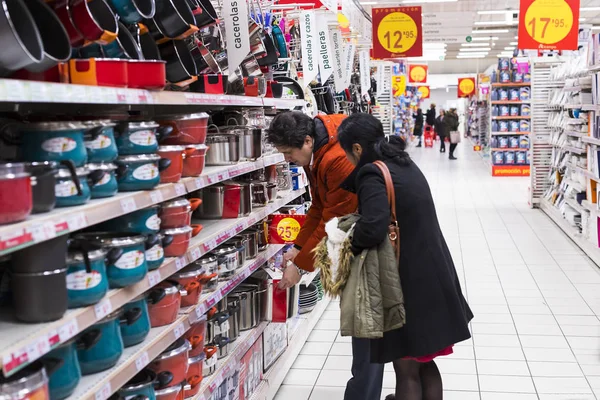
<point>155,255</point>
<point>87,280</point>
<point>133,11</point>
<point>140,137</point>
<point>136,332</point>
<point>109,348</point>
<point>131,266</point>
<point>100,144</point>
<point>144,384</point>
<point>142,171</point>
<point>55,141</point>
<point>144,221</point>
<point>62,364</point>
<point>73,189</point>
<point>107,186</point>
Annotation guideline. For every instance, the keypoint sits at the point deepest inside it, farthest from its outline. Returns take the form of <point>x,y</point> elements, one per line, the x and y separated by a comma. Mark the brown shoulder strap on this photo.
<point>389,187</point>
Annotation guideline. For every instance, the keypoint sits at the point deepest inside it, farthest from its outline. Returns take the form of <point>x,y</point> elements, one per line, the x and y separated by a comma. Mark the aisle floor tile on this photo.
<point>535,295</point>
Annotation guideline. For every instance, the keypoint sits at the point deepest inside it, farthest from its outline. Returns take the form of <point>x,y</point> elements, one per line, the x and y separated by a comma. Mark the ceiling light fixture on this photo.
<point>475,44</point>
<point>509,48</point>
<point>581,19</point>
<point>428,1</point>
<point>368,3</point>
<point>474,52</point>
<point>472,56</point>
<point>596,28</point>
<point>487,31</point>
<point>476,49</point>
<point>490,23</point>
<point>513,43</point>
<point>589,9</point>
<point>477,39</point>
<point>496,12</point>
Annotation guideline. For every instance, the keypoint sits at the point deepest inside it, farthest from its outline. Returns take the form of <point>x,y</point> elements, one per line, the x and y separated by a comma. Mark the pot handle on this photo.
<point>151,241</point>
<point>89,339</point>
<point>191,287</point>
<point>213,126</point>
<point>113,255</point>
<point>83,247</point>
<point>196,340</point>
<point>221,318</point>
<point>121,170</point>
<point>51,364</point>
<point>196,228</point>
<point>210,351</point>
<point>211,313</point>
<point>94,132</point>
<point>163,131</point>
<point>204,279</point>
<point>167,240</point>
<point>195,203</point>
<point>130,316</point>
<point>121,129</point>
<point>96,176</point>
<point>222,341</point>
<point>188,152</point>
<point>71,167</point>
<point>163,164</point>
<point>194,381</point>
<point>163,379</point>
<point>156,295</point>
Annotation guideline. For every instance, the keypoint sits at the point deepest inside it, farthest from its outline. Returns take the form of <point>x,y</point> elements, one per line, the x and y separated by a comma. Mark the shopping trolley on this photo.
<point>428,136</point>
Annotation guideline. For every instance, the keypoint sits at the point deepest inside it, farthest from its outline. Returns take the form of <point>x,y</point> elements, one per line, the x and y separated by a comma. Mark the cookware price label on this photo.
<point>68,330</point>
<point>196,253</point>
<point>179,330</point>
<point>128,205</point>
<point>156,196</point>
<point>549,24</point>
<point>38,348</point>
<point>103,308</point>
<point>153,278</point>
<point>104,392</point>
<point>200,182</point>
<point>397,32</point>
<point>76,222</point>
<point>180,262</point>
<point>180,189</point>
<point>142,361</point>
<point>200,310</point>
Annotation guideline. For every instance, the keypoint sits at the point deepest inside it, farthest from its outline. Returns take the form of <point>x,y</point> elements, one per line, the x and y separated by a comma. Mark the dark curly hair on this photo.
<point>290,129</point>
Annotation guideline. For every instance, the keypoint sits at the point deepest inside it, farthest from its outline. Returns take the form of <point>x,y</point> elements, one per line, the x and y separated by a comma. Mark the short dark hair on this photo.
<point>290,129</point>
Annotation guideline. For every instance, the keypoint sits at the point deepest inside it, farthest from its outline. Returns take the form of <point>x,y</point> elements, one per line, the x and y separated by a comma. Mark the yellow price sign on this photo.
<point>549,24</point>
<point>397,32</point>
<point>288,229</point>
<point>424,90</point>
<point>417,73</point>
<point>466,86</point>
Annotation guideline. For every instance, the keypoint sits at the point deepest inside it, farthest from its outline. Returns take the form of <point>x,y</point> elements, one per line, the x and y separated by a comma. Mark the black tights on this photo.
<point>417,381</point>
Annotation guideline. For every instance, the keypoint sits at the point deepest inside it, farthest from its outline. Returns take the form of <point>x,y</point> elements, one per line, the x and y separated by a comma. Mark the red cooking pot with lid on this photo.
<point>176,154</point>
<point>187,129</point>
<point>193,164</point>
<point>16,199</point>
<point>174,360</point>
<point>178,212</point>
<point>181,239</point>
<point>165,310</point>
<point>194,375</point>
<point>192,278</point>
<point>195,335</point>
<point>171,393</point>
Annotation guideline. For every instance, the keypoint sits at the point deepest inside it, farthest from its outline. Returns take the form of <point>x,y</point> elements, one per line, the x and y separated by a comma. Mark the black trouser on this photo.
<point>452,148</point>
<point>442,143</point>
<point>367,379</point>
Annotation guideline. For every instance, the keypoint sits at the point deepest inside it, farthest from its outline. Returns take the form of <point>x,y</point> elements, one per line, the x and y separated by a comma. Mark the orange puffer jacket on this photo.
<point>329,169</point>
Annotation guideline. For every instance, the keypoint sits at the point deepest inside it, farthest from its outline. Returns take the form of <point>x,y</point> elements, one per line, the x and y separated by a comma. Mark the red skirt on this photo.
<point>425,359</point>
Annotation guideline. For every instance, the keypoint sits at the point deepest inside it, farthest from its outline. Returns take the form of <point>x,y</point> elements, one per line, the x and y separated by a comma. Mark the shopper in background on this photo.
<point>430,115</point>
<point>418,131</point>
<point>442,130</point>
<point>437,314</point>
<point>451,120</point>
<point>313,144</point>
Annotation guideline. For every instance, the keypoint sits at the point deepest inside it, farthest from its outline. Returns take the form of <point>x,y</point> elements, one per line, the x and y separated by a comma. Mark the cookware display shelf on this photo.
<point>298,334</point>
<point>61,221</point>
<point>21,344</point>
<point>20,91</point>
<point>101,385</point>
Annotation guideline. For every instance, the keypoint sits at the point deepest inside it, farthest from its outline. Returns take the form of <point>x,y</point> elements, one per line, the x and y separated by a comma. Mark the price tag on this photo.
<point>180,189</point>
<point>548,24</point>
<point>239,228</point>
<point>76,222</point>
<point>103,308</point>
<point>200,310</point>
<point>38,233</point>
<point>196,253</point>
<point>199,183</point>
<point>142,361</point>
<point>156,196</point>
<point>180,263</point>
<point>179,330</point>
<point>153,278</point>
<point>398,32</point>
<point>128,205</point>
<point>104,392</point>
<point>68,330</point>
<point>38,348</point>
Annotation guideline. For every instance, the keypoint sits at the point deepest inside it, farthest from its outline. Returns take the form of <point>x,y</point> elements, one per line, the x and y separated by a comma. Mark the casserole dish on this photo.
<point>16,195</point>
<point>139,137</point>
<point>107,186</point>
<point>178,212</point>
<point>224,149</point>
<point>155,255</point>
<point>195,335</point>
<point>39,296</point>
<point>181,239</point>
<point>173,360</point>
<point>192,279</point>
<point>100,143</point>
<point>144,383</point>
<point>54,141</point>
<point>193,164</point>
<point>186,129</point>
<point>176,154</point>
<point>164,311</point>
<point>143,222</point>
<point>142,171</point>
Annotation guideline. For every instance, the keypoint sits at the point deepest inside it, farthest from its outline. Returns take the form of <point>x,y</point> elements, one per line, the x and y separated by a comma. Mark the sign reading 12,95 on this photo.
<point>397,32</point>
<point>548,24</point>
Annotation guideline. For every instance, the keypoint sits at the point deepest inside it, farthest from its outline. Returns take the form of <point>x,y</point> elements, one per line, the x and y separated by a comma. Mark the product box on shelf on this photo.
<point>279,305</point>
<point>251,370</point>
<point>275,341</point>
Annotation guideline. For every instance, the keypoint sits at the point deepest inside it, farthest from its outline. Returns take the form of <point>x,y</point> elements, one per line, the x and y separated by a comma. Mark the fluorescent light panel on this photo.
<point>488,31</point>
<point>471,56</point>
<point>490,23</point>
<point>487,38</point>
<point>476,49</point>
<point>428,1</point>
<point>475,44</point>
<point>509,48</point>
<point>496,12</point>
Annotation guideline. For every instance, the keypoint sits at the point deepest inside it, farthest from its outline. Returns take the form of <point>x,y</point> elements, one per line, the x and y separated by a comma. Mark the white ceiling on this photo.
<point>482,23</point>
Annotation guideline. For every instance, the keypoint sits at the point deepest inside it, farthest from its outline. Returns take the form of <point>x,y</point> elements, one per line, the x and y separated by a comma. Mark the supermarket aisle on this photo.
<point>536,299</point>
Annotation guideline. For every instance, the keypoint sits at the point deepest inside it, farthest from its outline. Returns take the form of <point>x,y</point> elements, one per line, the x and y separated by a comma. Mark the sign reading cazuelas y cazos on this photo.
<point>397,32</point>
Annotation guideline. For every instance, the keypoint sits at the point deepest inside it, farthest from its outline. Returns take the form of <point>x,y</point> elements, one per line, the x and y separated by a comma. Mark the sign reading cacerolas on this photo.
<point>326,65</point>
<point>309,39</point>
<point>365,72</point>
<point>235,14</point>
<point>349,52</point>
<point>338,72</point>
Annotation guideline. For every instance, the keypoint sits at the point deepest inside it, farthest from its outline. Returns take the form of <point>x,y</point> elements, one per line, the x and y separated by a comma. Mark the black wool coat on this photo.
<point>437,314</point>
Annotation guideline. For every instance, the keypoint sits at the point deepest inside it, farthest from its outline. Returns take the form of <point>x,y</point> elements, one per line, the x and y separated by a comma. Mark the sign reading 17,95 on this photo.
<point>548,24</point>
<point>397,32</point>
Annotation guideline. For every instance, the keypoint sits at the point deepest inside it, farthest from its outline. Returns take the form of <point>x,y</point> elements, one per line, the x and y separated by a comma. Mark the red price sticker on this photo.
<point>397,32</point>
<point>549,24</point>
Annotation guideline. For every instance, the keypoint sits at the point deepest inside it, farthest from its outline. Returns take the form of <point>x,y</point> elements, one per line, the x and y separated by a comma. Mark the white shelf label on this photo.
<point>142,361</point>
<point>180,189</point>
<point>128,205</point>
<point>199,183</point>
<point>68,330</point>
<point>156,196</point>
<point>104,392</point>
<point>179,330</point>
<point>200,311</point>
<point>180,262</point>
<point>103,308</point>
<point>76,222</point>
<point>153,278</point>
<point>196,253</point>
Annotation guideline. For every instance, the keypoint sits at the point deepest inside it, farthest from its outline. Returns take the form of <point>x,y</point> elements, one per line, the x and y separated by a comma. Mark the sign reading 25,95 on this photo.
<point>548,24</point>
<point>397,32</point>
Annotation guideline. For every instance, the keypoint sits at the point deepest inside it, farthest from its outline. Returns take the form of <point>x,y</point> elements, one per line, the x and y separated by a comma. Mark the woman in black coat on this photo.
<point>441,129</point>
<point>437,314</point>
<point>418,131</point>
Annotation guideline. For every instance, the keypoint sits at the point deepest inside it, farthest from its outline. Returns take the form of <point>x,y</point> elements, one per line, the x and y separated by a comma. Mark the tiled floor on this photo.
<point>536,298</point>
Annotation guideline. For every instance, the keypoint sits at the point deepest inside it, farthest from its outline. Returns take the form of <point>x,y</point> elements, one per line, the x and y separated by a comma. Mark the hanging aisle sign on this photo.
<point>466,87</point>
<point>399,85</point>
<point>332,5</point>
<point>309,46</point>
<point>237,34</point>
<point>379,77</point>
<point>424,91</point>
<point>365,71</point>
<point>338,55</point>
<point>326,61</point>
<point>548,24</point>
<point>417,73</point>
<point>397,32</point>
<point>349,52</point>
